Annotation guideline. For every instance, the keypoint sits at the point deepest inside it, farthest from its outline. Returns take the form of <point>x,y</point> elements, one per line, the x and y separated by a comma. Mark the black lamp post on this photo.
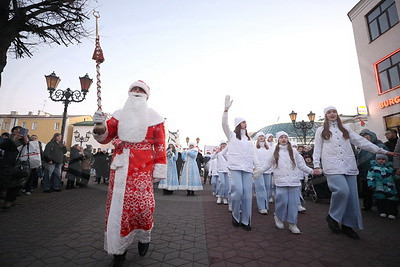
<point>82,139</point>
<point>303,125</point>
<point>66,96</point>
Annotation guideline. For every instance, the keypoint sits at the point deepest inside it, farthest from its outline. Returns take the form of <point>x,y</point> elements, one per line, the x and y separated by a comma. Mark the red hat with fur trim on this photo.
<point>141,84</point>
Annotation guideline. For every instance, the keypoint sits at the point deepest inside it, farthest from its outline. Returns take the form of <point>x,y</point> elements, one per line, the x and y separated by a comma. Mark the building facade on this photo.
<point>376,30</point>
<point>43,124</point>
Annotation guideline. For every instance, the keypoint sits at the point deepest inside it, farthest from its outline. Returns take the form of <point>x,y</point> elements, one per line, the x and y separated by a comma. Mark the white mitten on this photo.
<point>228,102</point>
<point>99,117</point>
<point>257,173</point>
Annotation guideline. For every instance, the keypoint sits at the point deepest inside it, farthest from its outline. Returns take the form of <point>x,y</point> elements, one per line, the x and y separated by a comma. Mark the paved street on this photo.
<point>66,229</point>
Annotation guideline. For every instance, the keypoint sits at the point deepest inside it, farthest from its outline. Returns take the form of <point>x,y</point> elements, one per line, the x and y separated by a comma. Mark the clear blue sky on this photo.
<point>270,56</point>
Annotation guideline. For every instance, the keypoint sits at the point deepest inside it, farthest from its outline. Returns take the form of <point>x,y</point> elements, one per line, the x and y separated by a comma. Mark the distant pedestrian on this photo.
<point>214,176</point>
<point>242,159</point>
<point>285,160</point>
<point>100,165</point>
<point>223,183</point>
<point>53,157</point>
<point>74,171</point>
<point>391,136</point>
<point>333,147</point>
<point>262,185</point>
<point>190,179</point>
<point>171,183</point>
<point>86,165</point>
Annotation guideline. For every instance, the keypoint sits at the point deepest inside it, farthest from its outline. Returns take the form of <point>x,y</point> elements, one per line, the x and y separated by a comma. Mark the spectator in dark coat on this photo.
<point>200,161</point>
<point>179,164</point>
<point>87,162</point>
<point>364,164</point>
<point>391,136</point>
<point>101,165</point>
<point>9,146</point>
<point>74,166</point>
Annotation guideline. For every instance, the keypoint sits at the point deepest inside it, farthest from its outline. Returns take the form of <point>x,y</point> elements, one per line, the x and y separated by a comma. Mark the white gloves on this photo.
<point>228,102</point>
<point>99,117</point>
<point>257,173</point>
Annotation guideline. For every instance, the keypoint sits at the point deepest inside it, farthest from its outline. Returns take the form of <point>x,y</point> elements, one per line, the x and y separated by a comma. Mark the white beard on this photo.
<point>133,122</point>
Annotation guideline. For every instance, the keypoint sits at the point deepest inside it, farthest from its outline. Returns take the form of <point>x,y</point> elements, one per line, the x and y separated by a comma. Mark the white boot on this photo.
<point>263,211</point>
<point>294,229</point>
<point>225,201</point>
<point>219,200</point>
<point>300,208</point>
<point>278,223</point>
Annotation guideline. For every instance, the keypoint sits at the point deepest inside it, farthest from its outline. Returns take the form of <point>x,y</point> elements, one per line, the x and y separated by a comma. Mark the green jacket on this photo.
<point>380,179</point>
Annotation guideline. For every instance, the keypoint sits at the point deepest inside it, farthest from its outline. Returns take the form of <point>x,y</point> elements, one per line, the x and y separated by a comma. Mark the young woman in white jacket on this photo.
<point>262,185</point>
<point>242,160</point>
<point>333,148</point>
<point>214,175</point>
<point>223,179</point>
<point>284,160</point>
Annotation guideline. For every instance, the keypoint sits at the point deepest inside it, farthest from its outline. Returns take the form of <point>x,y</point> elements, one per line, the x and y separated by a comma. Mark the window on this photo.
<point>387,71</point>
<point>382,18</point>
<point>393,122</point>
<point>23,125</point>
<point>34,125</point>
<point>57,126</point>
<point>5,126</point>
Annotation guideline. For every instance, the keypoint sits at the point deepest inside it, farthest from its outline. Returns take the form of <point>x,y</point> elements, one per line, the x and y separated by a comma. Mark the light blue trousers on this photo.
<point>262,186</point>
<point>214,181</point>
<point>241,196</point>
<point>286,203</point>
<point>345,206</point>
<point>223,184</point>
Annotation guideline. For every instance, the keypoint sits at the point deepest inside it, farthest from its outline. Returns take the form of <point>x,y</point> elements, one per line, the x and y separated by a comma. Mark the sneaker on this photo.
<point>301,208</point>
<point>294,229</point>
<point>28,193</point>
<point>225,201</point>
<point>219,200</point>
<point>263,211</point>
<point>230,208</point>
<point>278,223</point>
<point>383,215</point>
<point>271,200</point>
<point>392,217</point>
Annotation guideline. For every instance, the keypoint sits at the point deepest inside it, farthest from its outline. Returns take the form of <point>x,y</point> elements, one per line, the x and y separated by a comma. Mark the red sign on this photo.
<point>390,102</point>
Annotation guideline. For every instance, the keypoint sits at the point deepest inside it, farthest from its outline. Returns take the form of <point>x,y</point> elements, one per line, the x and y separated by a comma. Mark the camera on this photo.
<point>23,131</point>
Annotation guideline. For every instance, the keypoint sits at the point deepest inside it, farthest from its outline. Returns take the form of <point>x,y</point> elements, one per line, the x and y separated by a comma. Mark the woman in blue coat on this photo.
<point>171,183</point>
<point>190,178</point>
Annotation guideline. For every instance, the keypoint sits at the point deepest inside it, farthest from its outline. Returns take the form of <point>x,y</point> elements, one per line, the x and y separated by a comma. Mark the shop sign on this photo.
<point>390,102</point>
<point>362,110</point>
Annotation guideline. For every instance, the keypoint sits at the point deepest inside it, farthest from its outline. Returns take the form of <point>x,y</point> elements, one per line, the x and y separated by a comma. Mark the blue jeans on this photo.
<point>52,176</point>
<point>241,196</point>
<point>286,203</point>
<point>262,186</point>
<point>223,184</point>
<point>345,205</point>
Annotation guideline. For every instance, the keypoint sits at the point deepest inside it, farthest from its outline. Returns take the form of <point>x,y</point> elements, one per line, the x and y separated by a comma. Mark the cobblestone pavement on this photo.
<point>66,229</point>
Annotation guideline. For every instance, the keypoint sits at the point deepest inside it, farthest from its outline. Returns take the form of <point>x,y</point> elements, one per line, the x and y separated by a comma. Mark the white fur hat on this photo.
<point>238,120</point>
<point>328,108</point>
<point>294,143</point>
<point>192,143</point>
<point>268,135</point>
<point>223,142</point>
<point>142,85</point>
<point>279,134</point>
<point>259,134</point>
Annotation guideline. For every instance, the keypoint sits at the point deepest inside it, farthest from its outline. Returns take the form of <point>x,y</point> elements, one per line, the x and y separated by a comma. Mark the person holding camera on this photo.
<point>9,145</point>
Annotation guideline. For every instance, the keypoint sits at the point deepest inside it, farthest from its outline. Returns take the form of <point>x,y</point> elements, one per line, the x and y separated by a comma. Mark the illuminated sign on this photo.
<point>390,102</point>
<point>361,110</point>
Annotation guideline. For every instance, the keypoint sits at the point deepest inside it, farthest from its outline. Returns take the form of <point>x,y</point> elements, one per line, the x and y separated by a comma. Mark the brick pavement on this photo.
<point>66,229</point>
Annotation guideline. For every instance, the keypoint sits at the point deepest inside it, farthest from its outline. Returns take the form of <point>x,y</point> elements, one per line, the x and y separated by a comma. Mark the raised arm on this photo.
<point>225,125</point>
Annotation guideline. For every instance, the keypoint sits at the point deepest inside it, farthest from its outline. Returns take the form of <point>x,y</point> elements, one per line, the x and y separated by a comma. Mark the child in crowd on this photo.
<point>214,176</point>
<point>223,180</point>
<point>380,179</point>
<point>285,160</point>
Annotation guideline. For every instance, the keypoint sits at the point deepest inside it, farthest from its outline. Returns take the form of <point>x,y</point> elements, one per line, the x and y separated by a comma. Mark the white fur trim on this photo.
<point>160,171</point>
<point>101,138</point>
<point>137,234</point>
<point>142,85</point>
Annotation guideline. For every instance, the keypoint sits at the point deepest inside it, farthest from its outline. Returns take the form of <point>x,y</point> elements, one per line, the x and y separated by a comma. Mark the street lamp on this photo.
<point>303,125</point>
<point>187,141</point>
<point>66,96</point>
<point>82,139</point>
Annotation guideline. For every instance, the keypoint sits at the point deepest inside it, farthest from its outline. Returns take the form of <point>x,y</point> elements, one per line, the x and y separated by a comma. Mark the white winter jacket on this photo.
<point>285,174</point>
<point>222,163</point>
<point>337,154</point>
<point>213,167</point>
<point>263,154</point>
<point>241,154</point>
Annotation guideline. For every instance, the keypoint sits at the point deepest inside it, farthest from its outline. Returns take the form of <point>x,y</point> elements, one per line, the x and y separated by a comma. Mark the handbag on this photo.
<point>20,172</point>
<point>31,151</point>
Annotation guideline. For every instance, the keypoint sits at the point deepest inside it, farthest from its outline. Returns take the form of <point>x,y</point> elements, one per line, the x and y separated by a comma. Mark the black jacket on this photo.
<point>54,152</point>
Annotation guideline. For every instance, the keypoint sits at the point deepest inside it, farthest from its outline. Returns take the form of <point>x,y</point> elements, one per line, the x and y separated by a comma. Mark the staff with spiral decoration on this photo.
<point>98,56</point>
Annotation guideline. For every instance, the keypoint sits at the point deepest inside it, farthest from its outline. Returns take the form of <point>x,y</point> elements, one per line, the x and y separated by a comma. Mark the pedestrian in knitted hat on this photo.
<point>380,180</point>
<point>242,159</point>
<point>262,186</point>
<point>333,148</point>
<point>139,159</point>
<point>285,160</point>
